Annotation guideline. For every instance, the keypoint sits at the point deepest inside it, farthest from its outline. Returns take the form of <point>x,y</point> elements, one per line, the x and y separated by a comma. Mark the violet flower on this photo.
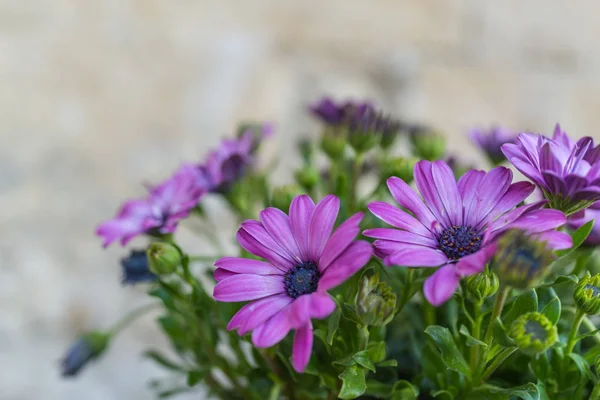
<point>303,260</point>
<point>136,268</point>
<point>457,224</point>
<point>591,213</point>
<point>160,212</point>
<point>491,142</point>
<point>334,114</point>
<point>567,172</point>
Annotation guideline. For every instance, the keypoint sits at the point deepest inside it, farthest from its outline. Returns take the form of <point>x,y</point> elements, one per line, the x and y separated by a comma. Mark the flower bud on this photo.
<point>282,197</point>
<point>520,260</point>
<point>333,143</point>
<point>136,269</point>
<point>305,147</point>
<point>307,177</point>
<point>163,258</point>
<point>87,348</point>
<point>375,301</point>
<point>533,332</point>
<point>428,144</point>
<point>258,132</point>
<point>587,294</point>
<point>399,166</point>
<point>481,286</point>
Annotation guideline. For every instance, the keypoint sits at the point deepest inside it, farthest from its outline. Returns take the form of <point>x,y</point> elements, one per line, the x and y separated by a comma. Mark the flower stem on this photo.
<point>476,333</point>
<point>128,318</point>
<point>496,312</point>
<point>356,166</point>
<point>596,392</point>
<point>573,333</point>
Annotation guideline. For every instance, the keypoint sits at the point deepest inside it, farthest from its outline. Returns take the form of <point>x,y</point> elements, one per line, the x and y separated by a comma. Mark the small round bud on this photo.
<point>481,286</point>
<point>307,177</point>
<point>428,144</point>
<point>400,167</point>
<point>587,294</point>
<point>375,301</point>
<point>163,258</point>
<point>87,348</point>
<point>520,260</point>
<point>282,196</point>
<point>533,332</point>
<point>333,143</point>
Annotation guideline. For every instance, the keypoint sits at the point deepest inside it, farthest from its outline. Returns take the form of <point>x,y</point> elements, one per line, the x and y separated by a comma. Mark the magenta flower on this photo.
<point>457,224</point>
<point>591,213</point>
<point>334,114</point>
<point>568,172</point>
<point>159,212</point>
<point>228,163</point>
<point>491,142</point>
<point>303,260</point>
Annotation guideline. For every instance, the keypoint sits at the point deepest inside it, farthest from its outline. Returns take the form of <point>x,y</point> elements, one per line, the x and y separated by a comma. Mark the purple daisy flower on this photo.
<point>491,142</point>
<point>303,260</point>
<point>334,114</point>
<point>591,213</point>
<point>568,172</point>
<point>457,224</point>
<point>160,212</point>
<point>228,163</point>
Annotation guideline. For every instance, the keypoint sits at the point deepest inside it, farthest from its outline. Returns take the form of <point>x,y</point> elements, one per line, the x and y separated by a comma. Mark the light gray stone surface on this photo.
<point>99,96</point>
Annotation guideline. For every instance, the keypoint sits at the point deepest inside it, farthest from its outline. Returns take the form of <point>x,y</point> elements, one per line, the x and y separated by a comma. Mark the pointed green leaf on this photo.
<point>353,382</point>
<point>489,392</point>
<point>500,336</point>
<point>334,323</point>
<point>362,358</point>
<point>388,363</point>
<point>526,302</point>
<point>582,366</point>
<point>552,310</point>
<point>562,279</point>
<point>376,351</point>
<point>452,357</point>
<point>578,237</point>
<point>163,360</point>
<point>471,341</point>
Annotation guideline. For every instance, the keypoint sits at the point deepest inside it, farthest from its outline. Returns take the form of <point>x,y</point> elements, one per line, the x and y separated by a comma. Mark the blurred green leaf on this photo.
<point>376,351</point>
<point>163,360</point>
<point>578,238</point>
<point>552,310</point>
<point>194,377</point>
<point>526,302</point>
<point>353,382</point>
<point>452,357</point>
<point>488,392</point>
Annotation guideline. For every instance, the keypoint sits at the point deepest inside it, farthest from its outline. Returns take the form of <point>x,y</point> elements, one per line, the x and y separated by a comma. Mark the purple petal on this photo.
<point>475,263</point>
<point>445,183</point>
<point>516,193</point>
<point>408,199</point>
<point>298,313</point>
<point>467,186</point>
<point>556,240</point>
<point>221,274</point>
<point>277,224</point>
<point>321,305</point>
<point>511,216</point>
<point>271,332</point>
<point>301,210</point>
<point>350,261</point>
<point>396,235</point>
<point>440,286</point>
<point>250,244</point>
<point>539,220</point>
<point>425,184</point>
<point>553,182</point>
<point>321,224</point>
<point>258,231</point>
<point>303,341</point>
<point>416,256</point>
<point>492,188</point>
<point>548,160</point>
<point>244,287</point>
<point>340,240</point>
<point>247,266</point>
<point>398,218</point>
<point>261,310</point>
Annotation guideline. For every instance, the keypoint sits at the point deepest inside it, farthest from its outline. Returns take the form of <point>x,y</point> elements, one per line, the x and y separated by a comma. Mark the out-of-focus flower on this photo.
<point>86,349</point>
<point>284,195</point>
<point>427,144</point>
<point>257,131</point>
<point>303,259</point>
<point>136,269</point>
<point>458,224</point>
<point>160,212</point>
<point>491,141</point>
<point>580,218</point>
<point>567,172</point>
<point>587,294</point>
<point>533,332</point>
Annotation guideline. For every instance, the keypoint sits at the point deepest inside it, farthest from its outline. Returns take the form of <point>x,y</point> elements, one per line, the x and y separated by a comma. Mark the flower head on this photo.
<point>87,348</point>
<point>228,163</point>
<point>582,217</point>
<point>491,142</point>
<point>331,113</point>
<point>302,260</point>
<point>160,212</point>
<point>587,294</point>
<point>136,268</point>
<point>457,224</point>
<point>533,332</point>
<point>567,172</point>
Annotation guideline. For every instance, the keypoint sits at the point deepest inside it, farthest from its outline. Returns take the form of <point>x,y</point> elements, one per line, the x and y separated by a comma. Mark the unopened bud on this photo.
<point>375,301</point>
<point>400,167</point>
<point>481,286</point>
<point>533,332</point>
<point>86,349</point>
<point>282,196</point>
<point>587,294</point>
<point>163,258</point>
<point>307,177</point>
<point>428,144</point>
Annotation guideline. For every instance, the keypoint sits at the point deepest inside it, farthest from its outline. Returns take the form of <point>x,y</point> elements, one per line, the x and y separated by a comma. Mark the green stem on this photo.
<point>132,316</point>
<point>363,337</point>
<point>573,333</point>
<point>405,298</point>
<point>476,333</point>
<point>205,258</point>
<point>356,166</point>
<point>500,358</point>
<point>496,312</point>
<point>596,392</point>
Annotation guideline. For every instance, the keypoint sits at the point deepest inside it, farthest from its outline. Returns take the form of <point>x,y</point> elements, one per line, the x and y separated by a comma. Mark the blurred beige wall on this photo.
<point>99,96</point>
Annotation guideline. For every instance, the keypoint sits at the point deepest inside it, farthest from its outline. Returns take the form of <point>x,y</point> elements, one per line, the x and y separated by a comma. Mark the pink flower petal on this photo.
<point>340,240</point>
<point>258,231</point>
<point>350,261</point>
<point>277,224</point>
<point>321,224</point>
<point>299,311</point>
<point>427,187</point>
<point>445,183</point>
<point>556,240</point>
<point>440,286</point>
<point>301,210</point>
<point>416,256</point>
<point>396,235</point>
<point>398,218</point>
<point>250,244</point>
<point>271,332</point>
<point>475,263</point>
<point>244,287</point>
<point>321,305</point>
<point>261,310</point>
<point>247,266</point>
<point>516,193</point>
<point>407,198</point>
<point>303,341</point>
<point>221,274</point>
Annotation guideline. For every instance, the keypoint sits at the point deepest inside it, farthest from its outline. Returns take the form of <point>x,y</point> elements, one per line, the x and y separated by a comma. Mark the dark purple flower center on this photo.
<point>302,279</point>
<point>459,241</point>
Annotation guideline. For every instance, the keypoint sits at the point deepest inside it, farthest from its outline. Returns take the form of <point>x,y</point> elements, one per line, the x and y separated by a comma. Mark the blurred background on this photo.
<point>97,97</point>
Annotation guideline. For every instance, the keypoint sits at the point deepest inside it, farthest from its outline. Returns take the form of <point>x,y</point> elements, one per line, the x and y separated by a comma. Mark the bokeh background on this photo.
<point>97,97</point>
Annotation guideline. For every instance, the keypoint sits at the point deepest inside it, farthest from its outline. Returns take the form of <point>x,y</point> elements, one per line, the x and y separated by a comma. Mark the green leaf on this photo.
<point>162,360</point>
<point>488,392</point>
<point>194,377</point>
<point>471,341</point>
<point>552,310</point>
<point>500,336</point>
<point>275,391</point>
<point>353,382</point>
<point>578,237</point>
<point>444,395</point>
<point>526,302</point>
<point>562,279</point>
<point>582,366</point>
<point>350,314</point>
<point>452,357</point>
<point>401,390</point>
<point>334,323</point>
<point>362,358</point>
<point>588,334</point>
<point>404,390</point>
<point>388,363</point>
<point>376,351</point>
